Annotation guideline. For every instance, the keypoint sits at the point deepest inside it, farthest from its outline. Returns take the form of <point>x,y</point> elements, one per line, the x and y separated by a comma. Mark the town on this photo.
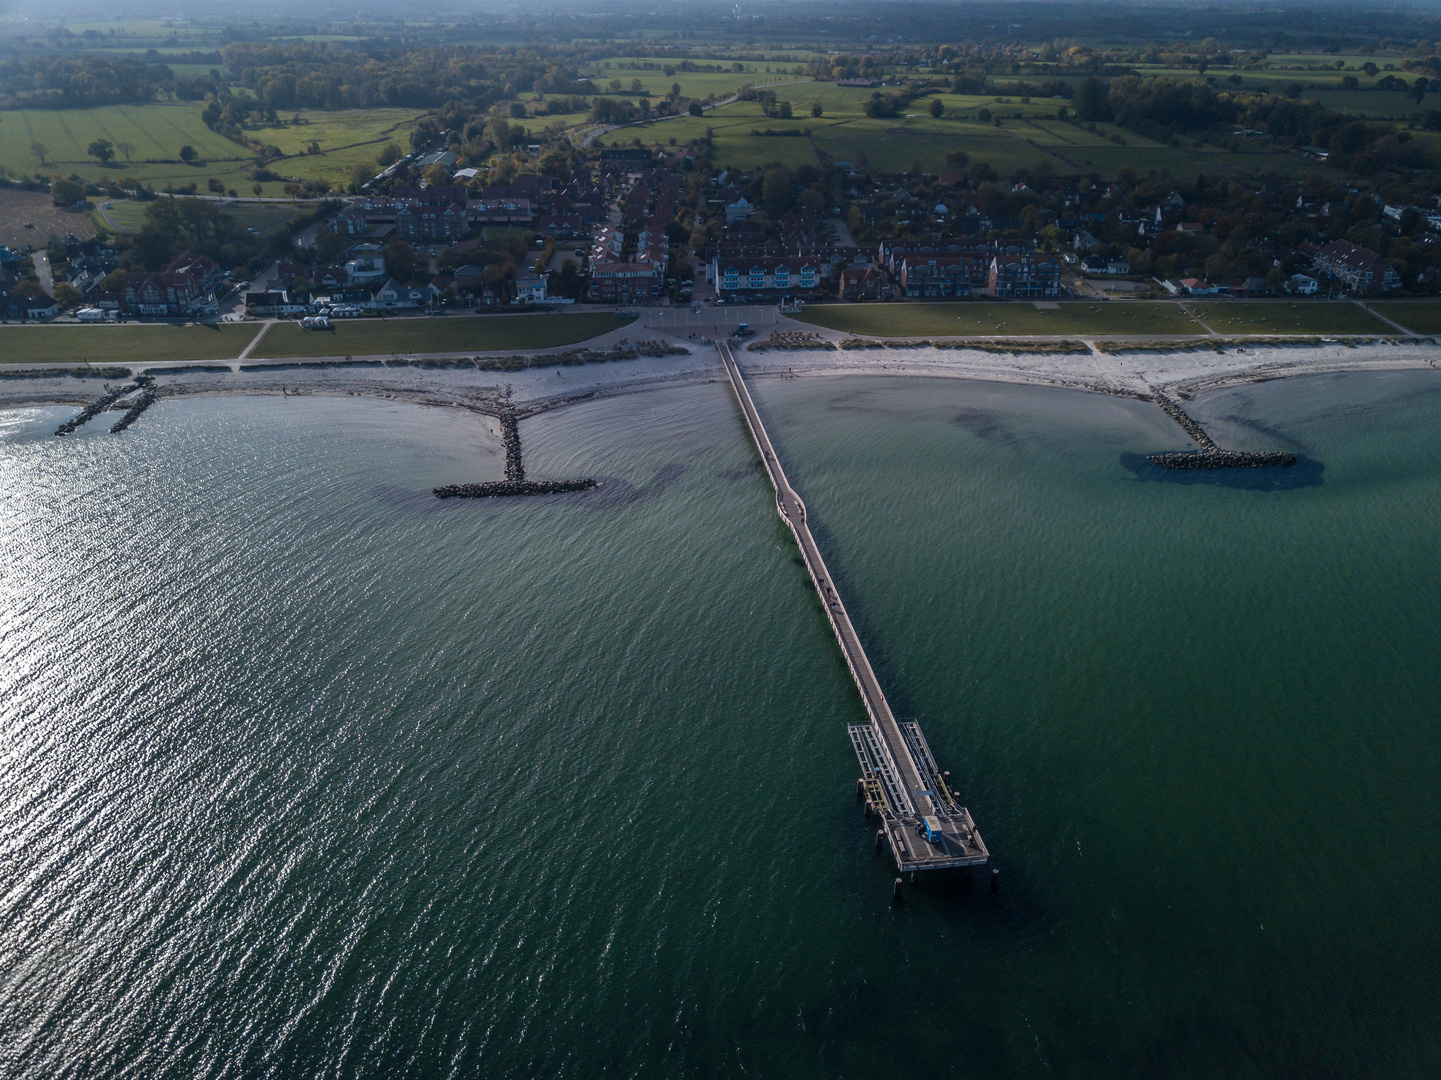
<point>635,198</point>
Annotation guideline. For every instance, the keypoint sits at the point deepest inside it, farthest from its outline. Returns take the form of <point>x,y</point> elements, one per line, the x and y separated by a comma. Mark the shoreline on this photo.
<point>538,389</point>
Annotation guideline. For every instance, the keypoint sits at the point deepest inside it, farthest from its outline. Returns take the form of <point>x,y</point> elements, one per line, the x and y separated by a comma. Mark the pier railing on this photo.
<point>926,827</point>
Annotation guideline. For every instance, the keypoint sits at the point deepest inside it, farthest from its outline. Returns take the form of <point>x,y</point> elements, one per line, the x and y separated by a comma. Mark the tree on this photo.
<point>695,109</point>
<point>983,115</point>
<point>112,282</point>
<point>125,148</point>
<point>1092,100</point>
<point>959,158</point>
<point>102,150</point>
<point>67,192</point>
<point>776,190</point>
<point>816,109</point>
<point>1419,88</point>
<point>39,149</point>
<point>785,110</point>
<point>399,260</point>
<point>188,154</point>
<point>389,154</point>
<point>257,189</point>
<point>938,109</point>
<point>216,186</point>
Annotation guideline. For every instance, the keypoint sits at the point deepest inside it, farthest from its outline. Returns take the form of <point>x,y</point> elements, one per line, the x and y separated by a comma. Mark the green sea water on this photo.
<point>306,773</point>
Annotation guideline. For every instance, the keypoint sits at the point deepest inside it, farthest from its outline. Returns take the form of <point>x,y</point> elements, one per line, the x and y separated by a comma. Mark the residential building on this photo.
<point>931,275</point>
<point>623,282</point>
<point>272,302</point>
<point>530,289</point>
<point>1029,276</point>
<point>1360,269</point>
<point>862,283</point>
<point>766,278</point>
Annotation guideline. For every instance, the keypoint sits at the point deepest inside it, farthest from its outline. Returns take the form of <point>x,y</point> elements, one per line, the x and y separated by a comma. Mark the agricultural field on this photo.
<point>144,136</point>
<point>148,139</point>
<point>1288,317</point>
<point>1422,316</point>
<point>31,218</point>
<point>453,333</point>
<point>693,84</point>
<point>123,344</point>
<point>1001,318</point>
<point>1027,135</point>
<point>346,137</point>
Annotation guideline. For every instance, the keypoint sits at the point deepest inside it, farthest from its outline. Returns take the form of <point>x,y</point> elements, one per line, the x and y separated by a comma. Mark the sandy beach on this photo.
<point>459,381</point>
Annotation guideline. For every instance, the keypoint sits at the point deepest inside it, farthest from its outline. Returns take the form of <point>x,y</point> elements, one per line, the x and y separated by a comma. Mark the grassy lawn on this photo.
<point>129,214</point>
<point>450,333</point>
<point>1288,317</point>
<point>122,344</point>
<point>965,319</point>
<point>1422,316</point>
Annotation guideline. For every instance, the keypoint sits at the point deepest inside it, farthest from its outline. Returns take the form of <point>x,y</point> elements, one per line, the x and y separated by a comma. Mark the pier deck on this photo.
<point>899,777</point>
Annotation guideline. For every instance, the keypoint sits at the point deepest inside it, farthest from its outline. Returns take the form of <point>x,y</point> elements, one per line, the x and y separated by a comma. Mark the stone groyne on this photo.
<point>497,488</point>
<point>95,408</point>
<point>510,439</point>
<point>1223,459</point>
<point>515,482</point>
<point>143,401</point>
<point>1210,455</point>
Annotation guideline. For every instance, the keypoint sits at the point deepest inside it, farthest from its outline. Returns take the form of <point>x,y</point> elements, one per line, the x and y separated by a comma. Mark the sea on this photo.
<point>306,773</point>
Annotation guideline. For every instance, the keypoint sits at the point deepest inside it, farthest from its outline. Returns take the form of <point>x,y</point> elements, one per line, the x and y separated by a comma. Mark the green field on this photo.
<point>123,344</point>
<point>155,132</point>
<point>693,84</point>
<point>1422,316</point>
<point>454,333</point>
<point>1002,318</point>
<point>1028,135</point>
<point>1288,317</point>
<point>129,214</point>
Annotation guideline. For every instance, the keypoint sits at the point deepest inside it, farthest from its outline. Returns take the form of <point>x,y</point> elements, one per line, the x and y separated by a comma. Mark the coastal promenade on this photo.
<point>924,825</point>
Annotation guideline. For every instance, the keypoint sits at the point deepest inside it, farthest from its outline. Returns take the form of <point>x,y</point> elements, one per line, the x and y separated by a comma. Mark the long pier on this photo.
<point>921,819</point>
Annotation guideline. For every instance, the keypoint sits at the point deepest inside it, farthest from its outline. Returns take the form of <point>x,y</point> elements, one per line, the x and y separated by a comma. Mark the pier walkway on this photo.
<point>925,826</point>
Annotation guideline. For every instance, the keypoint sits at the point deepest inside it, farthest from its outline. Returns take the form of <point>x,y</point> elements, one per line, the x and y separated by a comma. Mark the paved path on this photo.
<point>1369,310</point>
<point>43,273</point>
<point>265,329</point>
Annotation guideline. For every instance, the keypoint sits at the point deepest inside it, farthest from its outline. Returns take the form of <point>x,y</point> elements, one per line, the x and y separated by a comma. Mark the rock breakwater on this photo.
<point>510,439</point>
<point>143,401</point>
<point>1210,455</point>
<point>515,482</point>
<point>497,488</point>
<point>1223,459</point>
<point>95,408</point>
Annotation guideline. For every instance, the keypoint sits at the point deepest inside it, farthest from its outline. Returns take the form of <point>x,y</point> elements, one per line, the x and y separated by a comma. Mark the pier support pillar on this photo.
<point>880,835</point>
<point>995,879</point>
<point>897,897</point>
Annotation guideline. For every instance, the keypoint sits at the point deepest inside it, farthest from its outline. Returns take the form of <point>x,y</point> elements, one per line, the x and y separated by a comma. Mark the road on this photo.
<point>43,273</point>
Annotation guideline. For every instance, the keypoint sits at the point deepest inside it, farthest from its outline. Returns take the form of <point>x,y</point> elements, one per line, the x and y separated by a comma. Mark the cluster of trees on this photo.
<point>1162,107</point>
<point>314,75</point>
<point>201,226</point>
<point>68,81</point>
